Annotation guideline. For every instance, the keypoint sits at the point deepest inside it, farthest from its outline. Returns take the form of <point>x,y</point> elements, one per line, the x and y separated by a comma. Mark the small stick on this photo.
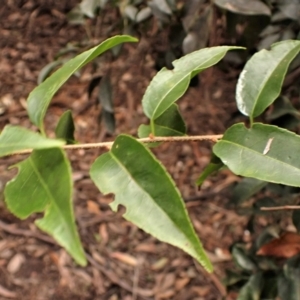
<point>108,145</point>
<point>285,207</point>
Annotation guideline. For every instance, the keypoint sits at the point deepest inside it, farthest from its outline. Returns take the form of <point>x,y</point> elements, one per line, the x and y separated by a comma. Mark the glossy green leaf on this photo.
<point>242,259</point>
<point>169,85</point>
<point>65,128</point>
<point>170,123</point>
<point>214,165</point>
<point>44,184</point>
<point>264,152</point>
<point>14,139</point>
<point>152,202</point>
<point>246,188</point>
<point>39,99</point>
<point>260,81</point>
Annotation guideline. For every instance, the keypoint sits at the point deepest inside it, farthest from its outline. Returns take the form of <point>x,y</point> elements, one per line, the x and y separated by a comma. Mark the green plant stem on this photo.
<point>108,145</point>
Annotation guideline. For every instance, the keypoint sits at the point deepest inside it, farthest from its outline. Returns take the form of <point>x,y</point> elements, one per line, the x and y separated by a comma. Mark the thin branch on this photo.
<point>147,140</point>
<point>285,207</point>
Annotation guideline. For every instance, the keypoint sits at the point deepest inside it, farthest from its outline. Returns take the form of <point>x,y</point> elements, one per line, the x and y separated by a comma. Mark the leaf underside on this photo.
<point>44,184</point>
<point>39,99</point>
<point>260,81</point>
<point>264,152</point>
<point>152,202</point>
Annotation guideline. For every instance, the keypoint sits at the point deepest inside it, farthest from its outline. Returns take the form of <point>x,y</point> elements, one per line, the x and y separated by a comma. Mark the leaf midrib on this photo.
<point>49,194</point>
<point>258,153</point>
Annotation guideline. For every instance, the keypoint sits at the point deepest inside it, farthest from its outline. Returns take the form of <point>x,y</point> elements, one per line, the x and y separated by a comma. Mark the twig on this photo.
<point>285,207</point>
<point>148,140</point>
<point>110,275</point>
<point>28,233</point>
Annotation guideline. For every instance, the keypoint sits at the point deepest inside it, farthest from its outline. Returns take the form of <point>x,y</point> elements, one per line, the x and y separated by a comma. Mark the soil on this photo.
<point>124,262</point>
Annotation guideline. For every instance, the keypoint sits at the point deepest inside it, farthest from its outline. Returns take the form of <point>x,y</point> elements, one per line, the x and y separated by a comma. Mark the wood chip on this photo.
<point>15,263</point>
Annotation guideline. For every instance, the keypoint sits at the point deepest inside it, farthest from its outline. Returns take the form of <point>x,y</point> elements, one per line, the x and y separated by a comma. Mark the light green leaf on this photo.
<point>88,7</point>
<point>65,128</point>
<point>14,139</point>
<point>253,7</point>
<point>170,123</point>
<point>169,85</point>
<point>263,152</point>
<point>39,99</point>
<point>152,202</point>
<point>44,184</point>
<point>260,81</point>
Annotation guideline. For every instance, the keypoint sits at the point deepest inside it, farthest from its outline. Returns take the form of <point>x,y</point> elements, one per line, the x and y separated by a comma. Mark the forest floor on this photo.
<point>124,262</point>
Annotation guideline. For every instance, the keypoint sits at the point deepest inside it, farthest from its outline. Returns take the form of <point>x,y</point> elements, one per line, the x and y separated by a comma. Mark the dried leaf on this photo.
<point>286,246</point>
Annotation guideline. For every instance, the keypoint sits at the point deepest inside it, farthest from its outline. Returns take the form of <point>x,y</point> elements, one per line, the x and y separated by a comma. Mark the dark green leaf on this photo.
<point>75,16</point>
<point>246,188</point>
<point>65,128</point>
<point>152,202</point>
<point>214,165</point>
<point>296,219</point>
<point>258,88</point>
<point>288,282</point>
<point>242,259</point>
<point>282,106</point>
<point>44,73</point>
<point>258,152</point>
<point>44,184</point>
<point>109,121</point>
<point>93,84</point>
<point>170,123</point>
<point>14,139</point>
<point>253,288</point>
<point>105,94</point>
<point>39,99</point>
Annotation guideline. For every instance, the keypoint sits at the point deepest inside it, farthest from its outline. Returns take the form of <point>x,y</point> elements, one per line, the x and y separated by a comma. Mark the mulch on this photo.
<point>124,262</point>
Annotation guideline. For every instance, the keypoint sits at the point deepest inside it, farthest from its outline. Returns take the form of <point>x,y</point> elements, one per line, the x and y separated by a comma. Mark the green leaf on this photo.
<point>88,7</point>
<point>169,85</point>
<point>288,282</point>
<point>44,73</point>
<point>152,202</point>
<point>253,288</point>
<point>214,165</point>
<point>282,106</point>
<point>246,188</point>
<point>252,7</point>
<point>14,139</point>
<point>296,219</point>
<point>65,128</point>
<point>39,99</point>
<point>264,152</point>
<point>260,81</point>
<point>44,184</point>
<point>170,123</point>
<point>242,259</point>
